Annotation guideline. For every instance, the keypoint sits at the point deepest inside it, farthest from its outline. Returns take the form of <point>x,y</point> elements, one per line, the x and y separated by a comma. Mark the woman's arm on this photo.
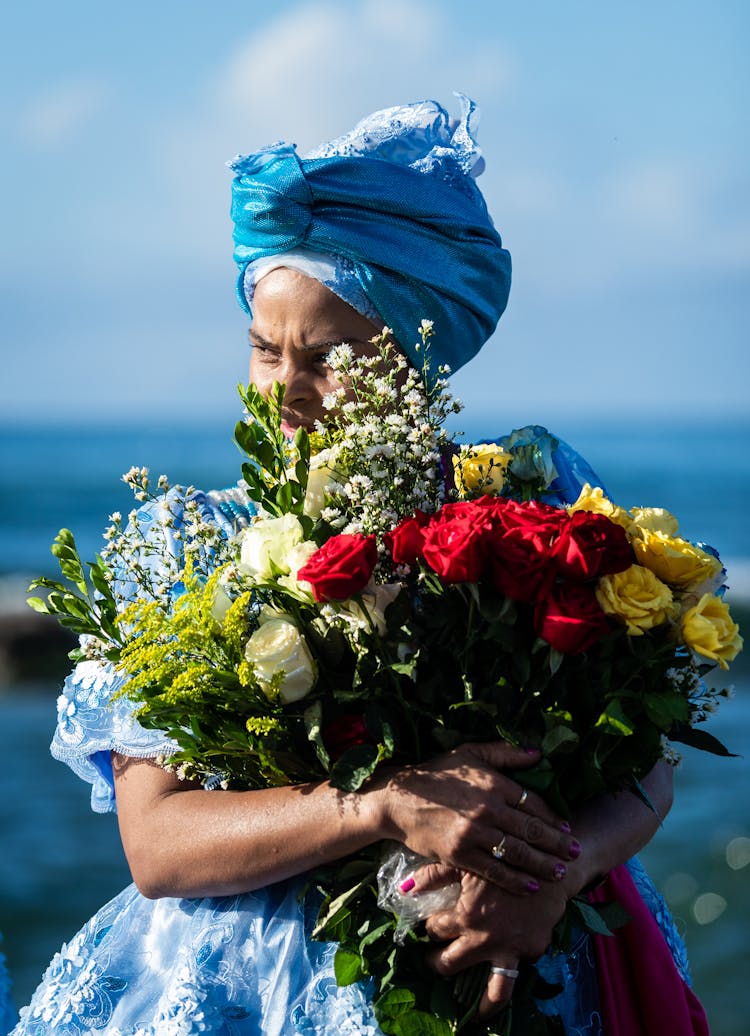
<point>183,841</point>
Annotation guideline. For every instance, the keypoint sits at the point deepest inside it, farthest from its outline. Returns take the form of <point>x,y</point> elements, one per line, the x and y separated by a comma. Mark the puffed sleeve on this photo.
<point>92,719</point>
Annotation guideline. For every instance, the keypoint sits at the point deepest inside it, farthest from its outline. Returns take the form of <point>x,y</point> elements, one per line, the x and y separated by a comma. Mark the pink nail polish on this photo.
<point>565,827</point>
<point>574,850</point>
<point>560,871</point>
<point>533,886</point>
<point>531,751</point>
<point>408,885</point>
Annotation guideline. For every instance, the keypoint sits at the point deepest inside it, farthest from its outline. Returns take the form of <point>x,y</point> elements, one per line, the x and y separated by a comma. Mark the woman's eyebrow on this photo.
<point>309,348</point>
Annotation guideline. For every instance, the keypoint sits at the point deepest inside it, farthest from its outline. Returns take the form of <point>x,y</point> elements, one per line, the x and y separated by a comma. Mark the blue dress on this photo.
<point>240,965</point>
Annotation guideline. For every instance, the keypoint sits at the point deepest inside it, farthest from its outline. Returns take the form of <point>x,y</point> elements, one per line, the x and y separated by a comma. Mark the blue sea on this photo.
<point>59,862</point>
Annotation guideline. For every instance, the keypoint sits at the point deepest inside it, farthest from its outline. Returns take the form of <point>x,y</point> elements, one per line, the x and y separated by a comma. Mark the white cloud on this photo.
<point>320,67</point>
<point>61,112</point>
<point>307,76</point>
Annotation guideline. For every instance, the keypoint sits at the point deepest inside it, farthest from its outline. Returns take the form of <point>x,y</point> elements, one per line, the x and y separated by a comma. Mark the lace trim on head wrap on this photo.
<point>398,247</point>
<point>333,271</point>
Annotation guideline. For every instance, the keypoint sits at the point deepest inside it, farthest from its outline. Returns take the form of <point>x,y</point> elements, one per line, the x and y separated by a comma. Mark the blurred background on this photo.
<point>617,172</point>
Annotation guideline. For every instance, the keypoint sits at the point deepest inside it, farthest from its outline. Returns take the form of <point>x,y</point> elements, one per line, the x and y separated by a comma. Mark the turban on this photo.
<point>390,218</point>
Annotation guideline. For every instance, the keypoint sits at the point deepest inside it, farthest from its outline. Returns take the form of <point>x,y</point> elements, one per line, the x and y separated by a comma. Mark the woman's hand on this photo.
<point>462,809</point>
<point>489,924</point>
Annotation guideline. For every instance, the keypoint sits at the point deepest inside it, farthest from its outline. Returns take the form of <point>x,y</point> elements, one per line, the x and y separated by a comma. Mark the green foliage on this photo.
<point>84,603</point>
<point>270,482</point>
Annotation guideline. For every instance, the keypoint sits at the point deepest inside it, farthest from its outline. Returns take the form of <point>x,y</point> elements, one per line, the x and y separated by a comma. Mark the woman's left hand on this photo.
<point>492,925</point>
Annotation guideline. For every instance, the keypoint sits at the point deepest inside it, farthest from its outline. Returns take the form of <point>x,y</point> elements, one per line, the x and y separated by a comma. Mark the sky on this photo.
<point>616,147</point>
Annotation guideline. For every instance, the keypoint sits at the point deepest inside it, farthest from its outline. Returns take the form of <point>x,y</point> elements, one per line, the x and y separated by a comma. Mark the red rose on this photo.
<point>522,568</point>
<point>590,545</point>
<point>533,514</point>
<point>405,542</point>
<point>520,550</point>
<point>470,509</point>
<point>457,548</point>
<point>570,619</point>
<point>341,567</point>
<point>344,733</point>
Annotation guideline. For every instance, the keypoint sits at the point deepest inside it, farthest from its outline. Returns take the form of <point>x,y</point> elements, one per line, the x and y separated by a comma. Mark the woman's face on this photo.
<point>296,322</point>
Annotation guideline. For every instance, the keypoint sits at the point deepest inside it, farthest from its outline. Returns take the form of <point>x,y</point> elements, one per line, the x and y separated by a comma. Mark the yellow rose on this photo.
<point>707,629</point>
<point>655,519</point>
<point>637,598</point>
<point>592,498</point>
<point>674,560</point>
<point>278,647</point>
<point>480,469</point>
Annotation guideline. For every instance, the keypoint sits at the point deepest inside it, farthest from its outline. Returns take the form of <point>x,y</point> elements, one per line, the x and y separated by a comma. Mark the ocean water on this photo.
<point>60,862</point>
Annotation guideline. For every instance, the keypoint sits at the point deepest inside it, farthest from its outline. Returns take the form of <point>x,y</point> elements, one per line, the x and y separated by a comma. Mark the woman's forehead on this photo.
<point>288,302</point>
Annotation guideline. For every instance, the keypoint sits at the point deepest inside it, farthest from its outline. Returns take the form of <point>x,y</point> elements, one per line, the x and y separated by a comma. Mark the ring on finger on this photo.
<point>524,796</point>
<point>495,969</point>
<point>498,851</point>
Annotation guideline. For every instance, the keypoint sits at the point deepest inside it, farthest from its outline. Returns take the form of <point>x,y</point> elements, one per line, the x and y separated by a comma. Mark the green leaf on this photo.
<point>64,549</point>
<point>700,739</point>
<point>348,966</point>
<point>664,709</point>
<point>614,720</point>
<point>374,934</point>
<point>330,911</point>
<point>394,1003</point>
<point>419,1023</point>
<point>559,737</point>
<point>352,769</point>
<point>591,917</point>
<point>556,659</point>
<point>313,718</point>
<point>38,605</point>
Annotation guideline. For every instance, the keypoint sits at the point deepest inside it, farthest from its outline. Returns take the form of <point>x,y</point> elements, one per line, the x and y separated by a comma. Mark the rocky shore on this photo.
<point>33,648</point>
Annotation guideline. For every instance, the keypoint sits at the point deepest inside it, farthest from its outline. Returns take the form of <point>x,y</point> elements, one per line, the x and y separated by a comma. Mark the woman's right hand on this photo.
<point>462,809</point>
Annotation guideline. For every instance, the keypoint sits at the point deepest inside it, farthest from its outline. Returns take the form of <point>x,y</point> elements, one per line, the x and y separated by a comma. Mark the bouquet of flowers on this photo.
<point>397,596</point>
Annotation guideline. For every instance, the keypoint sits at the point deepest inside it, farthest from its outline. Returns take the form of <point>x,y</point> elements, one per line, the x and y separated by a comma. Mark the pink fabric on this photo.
<point>641,992</point>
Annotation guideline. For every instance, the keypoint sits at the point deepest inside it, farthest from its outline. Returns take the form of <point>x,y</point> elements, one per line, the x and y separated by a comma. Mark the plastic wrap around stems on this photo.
<point>400,863</point>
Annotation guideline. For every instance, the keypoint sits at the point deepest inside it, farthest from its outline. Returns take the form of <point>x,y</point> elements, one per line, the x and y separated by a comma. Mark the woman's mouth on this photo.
<point>289,427</point>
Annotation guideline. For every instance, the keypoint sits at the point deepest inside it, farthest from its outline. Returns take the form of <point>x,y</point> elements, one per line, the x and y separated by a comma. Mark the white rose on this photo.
<point>264,547</point>
<point>298,556</point>
<point>319,479</point>
<point>375,600</point>
<point>278,647</point>
<point>222,602</point>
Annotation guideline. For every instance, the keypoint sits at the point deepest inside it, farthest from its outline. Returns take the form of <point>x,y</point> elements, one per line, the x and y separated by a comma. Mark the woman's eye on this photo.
<point>263,352</point>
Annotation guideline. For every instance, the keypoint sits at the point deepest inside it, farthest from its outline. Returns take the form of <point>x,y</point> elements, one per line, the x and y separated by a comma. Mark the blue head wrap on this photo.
<point>392,212</point>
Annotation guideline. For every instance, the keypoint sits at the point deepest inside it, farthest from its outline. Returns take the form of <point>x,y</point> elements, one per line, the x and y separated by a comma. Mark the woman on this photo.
<point>384,225</point>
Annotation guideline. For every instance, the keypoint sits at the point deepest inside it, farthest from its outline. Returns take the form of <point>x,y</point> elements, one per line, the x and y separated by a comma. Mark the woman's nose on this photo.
<point>298,381</point>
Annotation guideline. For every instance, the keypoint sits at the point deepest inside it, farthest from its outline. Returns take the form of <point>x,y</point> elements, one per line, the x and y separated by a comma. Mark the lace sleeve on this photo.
<point>91,723</point>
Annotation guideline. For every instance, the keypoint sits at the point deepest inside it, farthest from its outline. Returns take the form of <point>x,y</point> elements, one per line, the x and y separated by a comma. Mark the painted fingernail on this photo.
<point>408,885</point>
<point>533,886</point>
<point>531,751</point>
<point>560,871</point>
<point>565,826</point>
<point>574,850</point>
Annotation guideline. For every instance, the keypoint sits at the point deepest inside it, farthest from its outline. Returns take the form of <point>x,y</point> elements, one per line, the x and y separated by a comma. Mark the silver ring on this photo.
<point>524,796</point>
<point>498,851</point>
<point>507,972</point>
